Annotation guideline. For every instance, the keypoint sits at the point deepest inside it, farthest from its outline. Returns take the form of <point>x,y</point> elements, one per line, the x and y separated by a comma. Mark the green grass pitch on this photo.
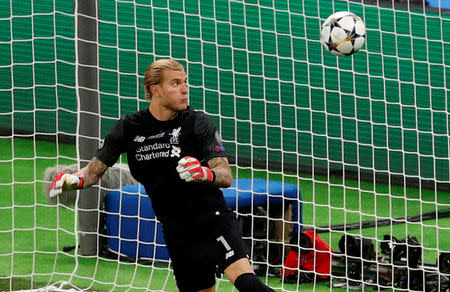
<point>32,232</point>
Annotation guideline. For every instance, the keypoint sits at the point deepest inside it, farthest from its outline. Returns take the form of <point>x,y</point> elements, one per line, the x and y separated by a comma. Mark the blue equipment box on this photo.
<point>136,213</point>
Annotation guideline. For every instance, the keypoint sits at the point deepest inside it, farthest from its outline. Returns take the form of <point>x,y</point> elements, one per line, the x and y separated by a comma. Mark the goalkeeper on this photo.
<point>177,154</point>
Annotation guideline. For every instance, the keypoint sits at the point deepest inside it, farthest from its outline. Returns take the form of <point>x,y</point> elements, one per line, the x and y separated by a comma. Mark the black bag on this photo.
<point>360,252</point>
<point>354,246</point>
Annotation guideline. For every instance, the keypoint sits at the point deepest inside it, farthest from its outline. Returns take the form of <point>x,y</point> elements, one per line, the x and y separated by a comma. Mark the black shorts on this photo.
<point>197,259</point>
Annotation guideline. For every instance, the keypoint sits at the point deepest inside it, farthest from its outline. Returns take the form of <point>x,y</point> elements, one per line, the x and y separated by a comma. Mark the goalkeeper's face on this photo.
<point>173,90</point>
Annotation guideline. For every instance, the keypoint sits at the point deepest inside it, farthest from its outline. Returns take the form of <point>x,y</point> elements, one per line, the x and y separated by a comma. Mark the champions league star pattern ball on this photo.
<point>343,33</point>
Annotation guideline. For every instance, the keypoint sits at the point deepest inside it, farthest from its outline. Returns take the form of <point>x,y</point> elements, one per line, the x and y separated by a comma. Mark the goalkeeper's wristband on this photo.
<point>81,177</point>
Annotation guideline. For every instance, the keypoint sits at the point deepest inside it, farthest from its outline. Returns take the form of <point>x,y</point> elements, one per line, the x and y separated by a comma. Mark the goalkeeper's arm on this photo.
<point>222,171</point>
<point>84,178</point>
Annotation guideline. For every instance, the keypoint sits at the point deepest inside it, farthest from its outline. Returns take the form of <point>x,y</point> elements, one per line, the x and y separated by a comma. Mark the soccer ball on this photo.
<point>343,33</point>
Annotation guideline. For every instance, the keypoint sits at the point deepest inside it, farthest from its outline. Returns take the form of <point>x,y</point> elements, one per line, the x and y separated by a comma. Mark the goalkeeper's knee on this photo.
<point>248,282</point>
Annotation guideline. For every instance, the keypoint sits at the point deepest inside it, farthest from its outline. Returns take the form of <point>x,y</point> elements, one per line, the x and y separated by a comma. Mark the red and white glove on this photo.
<point>64,181</point>
<point>190,169</point>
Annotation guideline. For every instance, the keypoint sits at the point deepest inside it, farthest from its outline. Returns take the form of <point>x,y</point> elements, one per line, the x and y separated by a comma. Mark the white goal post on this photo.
<point>365,138</point>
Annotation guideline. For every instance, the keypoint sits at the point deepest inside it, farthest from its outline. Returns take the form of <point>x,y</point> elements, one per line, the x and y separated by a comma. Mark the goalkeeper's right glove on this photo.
<point>64,181</point>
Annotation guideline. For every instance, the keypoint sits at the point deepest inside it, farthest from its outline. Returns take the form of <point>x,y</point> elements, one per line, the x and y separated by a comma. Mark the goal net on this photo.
<point>364,138</point>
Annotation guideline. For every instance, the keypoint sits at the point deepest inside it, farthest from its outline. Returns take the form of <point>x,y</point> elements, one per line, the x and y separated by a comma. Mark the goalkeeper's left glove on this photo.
<point>190,169</point>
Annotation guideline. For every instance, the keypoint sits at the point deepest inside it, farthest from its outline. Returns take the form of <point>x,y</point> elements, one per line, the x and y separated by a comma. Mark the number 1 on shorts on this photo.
<point>224,242</point>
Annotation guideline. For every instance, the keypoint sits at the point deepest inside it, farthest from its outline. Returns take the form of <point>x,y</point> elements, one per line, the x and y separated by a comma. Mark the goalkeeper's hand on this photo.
<point>190,169</point>
<point>64,181</point>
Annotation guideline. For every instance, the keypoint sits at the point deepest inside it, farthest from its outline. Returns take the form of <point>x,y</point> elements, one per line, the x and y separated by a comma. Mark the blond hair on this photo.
<point>154,74</point>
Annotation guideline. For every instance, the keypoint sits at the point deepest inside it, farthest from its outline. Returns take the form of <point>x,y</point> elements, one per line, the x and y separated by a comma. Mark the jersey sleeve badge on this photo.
<point>219,143</point>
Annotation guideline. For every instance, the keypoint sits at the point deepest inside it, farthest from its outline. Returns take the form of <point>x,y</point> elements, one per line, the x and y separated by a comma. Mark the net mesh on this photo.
<point>364,137</point>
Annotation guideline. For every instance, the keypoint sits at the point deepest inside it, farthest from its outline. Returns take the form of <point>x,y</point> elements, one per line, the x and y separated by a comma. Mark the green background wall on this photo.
<point>259,70</point>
